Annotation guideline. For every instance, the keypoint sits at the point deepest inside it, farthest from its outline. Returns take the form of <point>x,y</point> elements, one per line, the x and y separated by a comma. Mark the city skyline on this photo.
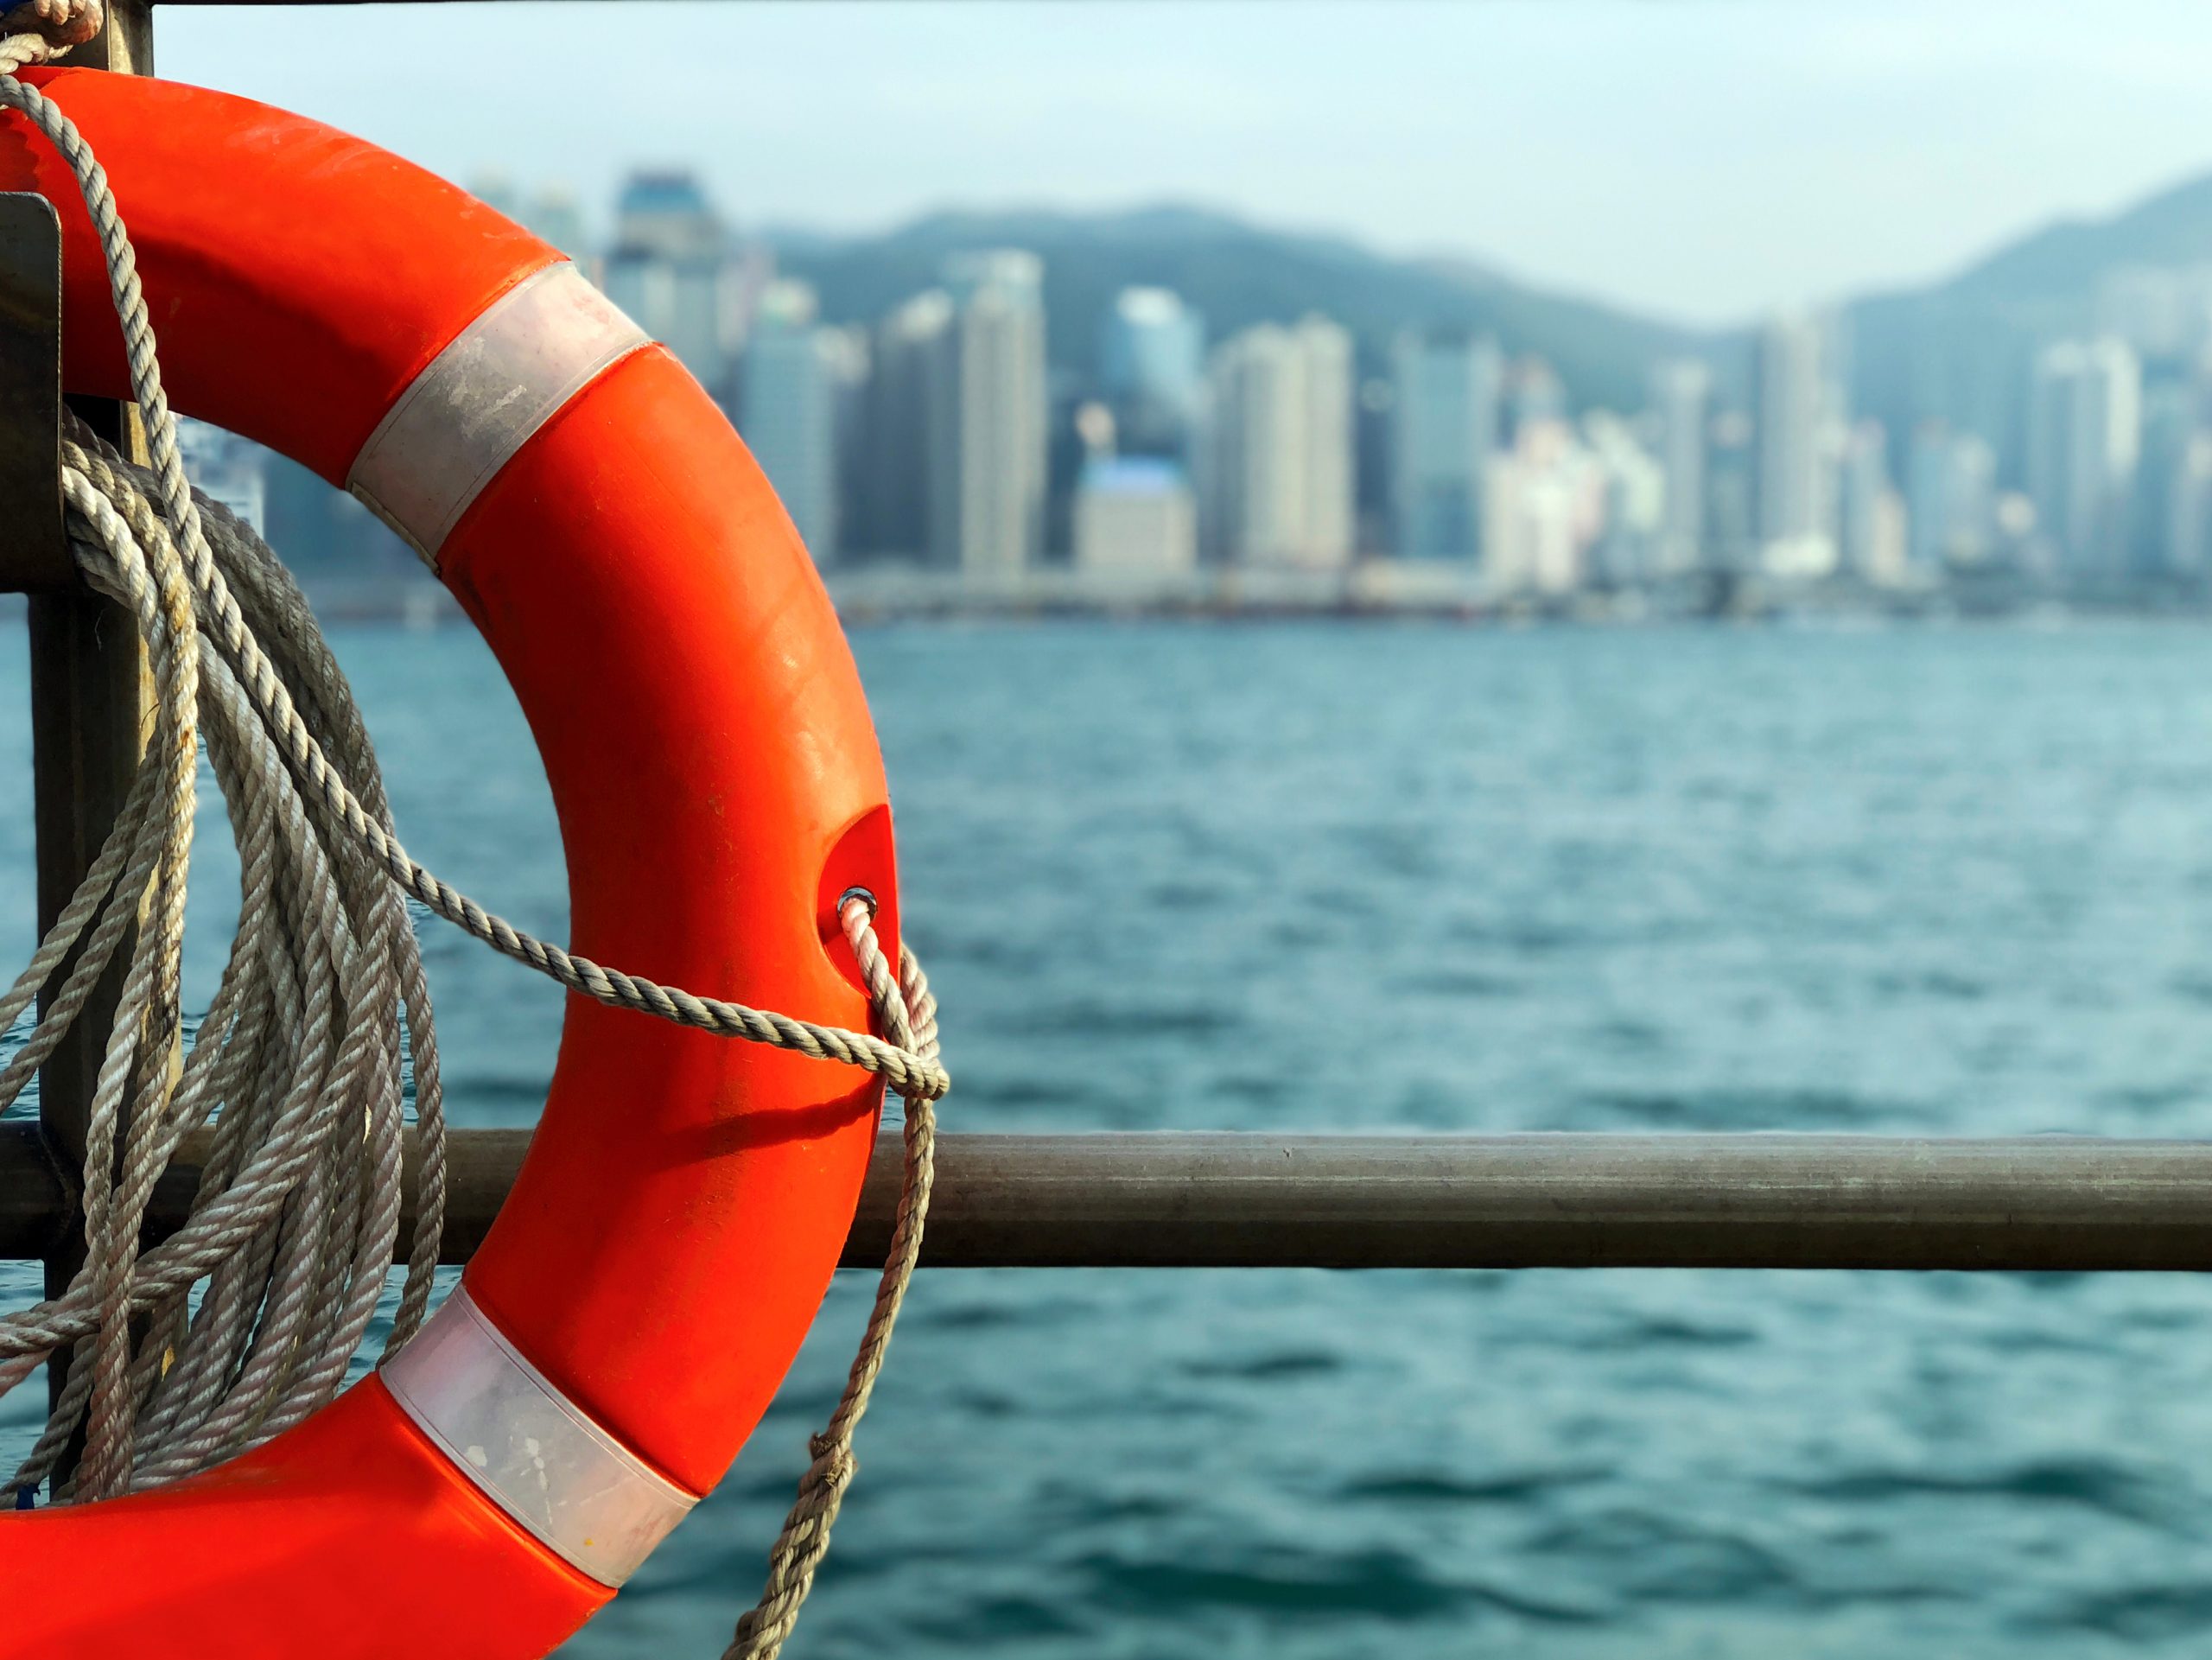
<point>1186,448</point>
<point>1701,162</point>
<point>933,430</point>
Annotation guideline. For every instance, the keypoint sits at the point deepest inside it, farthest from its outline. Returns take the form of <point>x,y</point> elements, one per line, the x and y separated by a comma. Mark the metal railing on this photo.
<point>1174,1199</point>
<point>89,679</point>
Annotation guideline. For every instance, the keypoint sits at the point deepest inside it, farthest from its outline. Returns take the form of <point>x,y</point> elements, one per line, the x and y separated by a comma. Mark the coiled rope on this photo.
<point>298,1060</point>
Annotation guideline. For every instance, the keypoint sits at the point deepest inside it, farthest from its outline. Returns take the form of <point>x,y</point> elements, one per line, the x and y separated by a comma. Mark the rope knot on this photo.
<point>38,31</point>
<point>833,1466</point>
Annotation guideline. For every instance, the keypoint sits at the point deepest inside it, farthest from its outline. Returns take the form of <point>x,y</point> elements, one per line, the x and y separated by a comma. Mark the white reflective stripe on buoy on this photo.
<point>480,399</point>
<point>538,1456</point>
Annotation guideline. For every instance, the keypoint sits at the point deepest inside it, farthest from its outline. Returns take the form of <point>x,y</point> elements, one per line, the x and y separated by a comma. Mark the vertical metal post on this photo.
<point>89,694</point>
<point>34,551</point>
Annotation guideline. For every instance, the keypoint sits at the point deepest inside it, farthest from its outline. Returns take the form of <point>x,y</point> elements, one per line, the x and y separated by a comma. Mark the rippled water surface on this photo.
<point>1952,882</point>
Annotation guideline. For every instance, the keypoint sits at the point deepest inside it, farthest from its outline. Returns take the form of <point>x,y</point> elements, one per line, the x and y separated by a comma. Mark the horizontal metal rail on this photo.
<point>1176,1201</point>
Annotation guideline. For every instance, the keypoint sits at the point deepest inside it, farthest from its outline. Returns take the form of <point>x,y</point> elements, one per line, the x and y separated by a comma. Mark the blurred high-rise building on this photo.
<point>554,215</point>
<point>1731,493</point>
<point>1447,393</point>
<point>670,269</point>
<point>1799,434</point>
<point>987,485</point>
<point>1277,458</point>
<point>1152,370</point>
<point>2174,410</point>
<point>1680,394</point>
<point>2084,438</point>
<point>227,468</point>
<point>1870,513</point>
<point>1544,508</point>
<point>329,539</point>
<point>850,355</point>
<point>1538,394</point>
<point>1951,500</point>
<point>787,409</point>
<point>906,418</point>
<point>2189,552</point>
<point>1634,485</point>
<point>1862,478</point>
<point>1134,519</point>
<point>550,214</point>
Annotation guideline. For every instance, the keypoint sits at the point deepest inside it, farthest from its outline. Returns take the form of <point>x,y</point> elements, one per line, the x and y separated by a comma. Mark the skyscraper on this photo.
<point>550,214</point>
<point>228,469</point>
<point>787,411</point>
<point>1731,493</point>
<point>1679,392</point>
<point>1152,368</point>
<point>849,356</point>
<point>667,269</point>
<point>1278,450</point>
<point>554,215</point>
<point>1865,507</point>
<point>1446,399</point>
<point>2188,547</point>
<point>1951,494</point>
<point>1134,519</point>
<point>2084,436</point>
<point>986,489</point>
<point>906,418</point>
<point>2173,411</point>
<point>1800,439</point>
<point>1544,507</point>
<point>1538,395</point>
<point>1634,499</point>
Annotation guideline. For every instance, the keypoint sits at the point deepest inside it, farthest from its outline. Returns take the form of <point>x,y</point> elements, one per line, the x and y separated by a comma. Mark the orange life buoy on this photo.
<point>719,786</point>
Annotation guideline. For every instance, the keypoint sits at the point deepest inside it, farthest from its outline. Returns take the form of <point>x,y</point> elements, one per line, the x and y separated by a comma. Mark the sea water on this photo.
<point>1918,881</point>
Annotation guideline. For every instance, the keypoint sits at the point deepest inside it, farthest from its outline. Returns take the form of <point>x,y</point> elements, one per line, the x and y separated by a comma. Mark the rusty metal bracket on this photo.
<point>33,547</point>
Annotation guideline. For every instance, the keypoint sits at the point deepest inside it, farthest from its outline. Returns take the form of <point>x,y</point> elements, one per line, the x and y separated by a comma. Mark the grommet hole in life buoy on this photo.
<point>850,870</point>
<point>719,789</point>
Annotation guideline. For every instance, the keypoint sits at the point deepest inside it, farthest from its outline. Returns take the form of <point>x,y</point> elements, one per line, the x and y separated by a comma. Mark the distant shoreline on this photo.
<point>879,597</point>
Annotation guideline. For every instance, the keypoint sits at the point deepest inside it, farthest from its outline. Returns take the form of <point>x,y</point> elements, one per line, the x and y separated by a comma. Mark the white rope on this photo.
<point>909,1014</point>
<point>298,1060</point>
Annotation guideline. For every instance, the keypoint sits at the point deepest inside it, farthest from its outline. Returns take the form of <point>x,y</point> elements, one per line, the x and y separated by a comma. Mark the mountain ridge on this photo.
<point>1238,273</point>
<point>1959,347</point>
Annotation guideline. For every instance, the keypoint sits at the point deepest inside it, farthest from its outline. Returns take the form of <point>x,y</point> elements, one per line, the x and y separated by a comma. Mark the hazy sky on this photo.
<point>1702,160</point>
